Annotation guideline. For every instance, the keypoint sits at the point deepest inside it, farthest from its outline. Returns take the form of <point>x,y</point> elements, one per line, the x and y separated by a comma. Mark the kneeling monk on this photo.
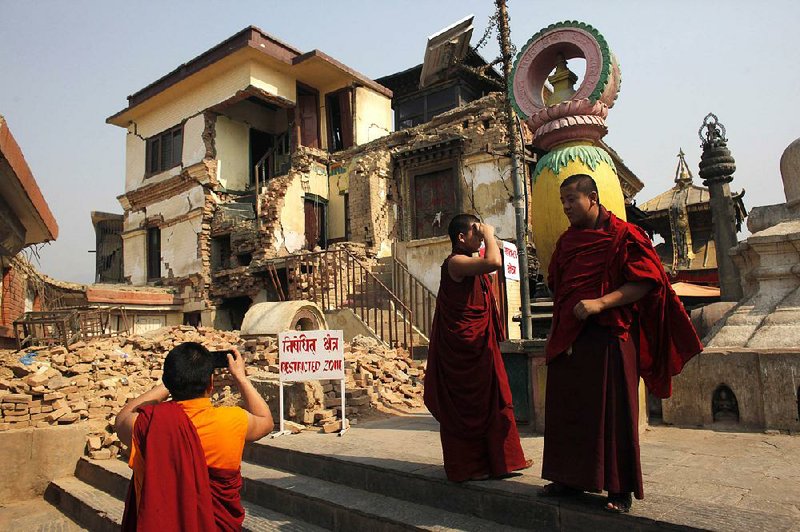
<point>466,387</point>
<point>185,453</point>
<point>615,318</point>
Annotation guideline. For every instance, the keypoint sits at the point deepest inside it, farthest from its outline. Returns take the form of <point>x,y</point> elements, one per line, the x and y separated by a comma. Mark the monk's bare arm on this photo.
<point>123,424</point>
<point>624,295</point>
<point>460,266</point>
<point>259,418</point>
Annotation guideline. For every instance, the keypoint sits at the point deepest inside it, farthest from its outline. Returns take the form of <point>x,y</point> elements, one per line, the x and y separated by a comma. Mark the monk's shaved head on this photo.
<point>584,184</point>
<point>460,224</point>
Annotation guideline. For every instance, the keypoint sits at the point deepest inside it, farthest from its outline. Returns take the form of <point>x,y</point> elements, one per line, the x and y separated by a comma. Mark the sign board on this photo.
<point>308,356</point>
<point>311,355</point>
<point>510,261</point>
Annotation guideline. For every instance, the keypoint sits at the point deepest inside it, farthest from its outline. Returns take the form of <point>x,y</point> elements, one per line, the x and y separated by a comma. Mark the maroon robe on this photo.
<point>591,408</point>
<point>466,387</point>
<point>179,491</point>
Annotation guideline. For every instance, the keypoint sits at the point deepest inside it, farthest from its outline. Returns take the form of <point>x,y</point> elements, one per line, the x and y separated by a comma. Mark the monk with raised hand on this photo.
<point>615,318</point>
<point>185,453</point>
<point>466,387</point>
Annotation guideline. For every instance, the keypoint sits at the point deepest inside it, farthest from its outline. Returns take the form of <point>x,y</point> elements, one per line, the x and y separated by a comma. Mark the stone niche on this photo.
<point>754,349</point>
<point>763,386</point>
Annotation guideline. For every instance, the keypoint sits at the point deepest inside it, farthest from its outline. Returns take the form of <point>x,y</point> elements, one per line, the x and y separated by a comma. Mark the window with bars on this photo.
<point>164,151</point>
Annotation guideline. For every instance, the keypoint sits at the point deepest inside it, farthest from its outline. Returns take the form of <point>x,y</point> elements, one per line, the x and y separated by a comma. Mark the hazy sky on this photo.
<point>65,66</point>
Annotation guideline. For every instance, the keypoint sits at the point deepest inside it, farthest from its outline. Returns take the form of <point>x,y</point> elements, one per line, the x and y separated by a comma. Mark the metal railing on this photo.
<point>418,297</point>
<point>337,279</point>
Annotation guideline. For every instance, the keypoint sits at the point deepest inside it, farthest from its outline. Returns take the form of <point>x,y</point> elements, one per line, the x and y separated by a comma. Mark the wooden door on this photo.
<point>309,120</point>
<point>316,231</point>
<point>434,203</point>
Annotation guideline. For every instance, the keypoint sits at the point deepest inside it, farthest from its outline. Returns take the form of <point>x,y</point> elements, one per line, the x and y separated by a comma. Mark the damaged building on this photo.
<point>257,173</point>
<point>25,220</point>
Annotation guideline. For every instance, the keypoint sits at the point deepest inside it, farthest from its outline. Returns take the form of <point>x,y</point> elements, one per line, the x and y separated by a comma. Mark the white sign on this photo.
<point>511,261</point>
<point>311,355</point>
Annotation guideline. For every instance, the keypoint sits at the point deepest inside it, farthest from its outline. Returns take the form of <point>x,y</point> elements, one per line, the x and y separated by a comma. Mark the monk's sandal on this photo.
<point>619,503</point>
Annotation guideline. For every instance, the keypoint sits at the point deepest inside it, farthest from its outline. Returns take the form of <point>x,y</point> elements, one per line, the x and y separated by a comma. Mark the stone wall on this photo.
<point>34,457</point>
<point>765,384</point>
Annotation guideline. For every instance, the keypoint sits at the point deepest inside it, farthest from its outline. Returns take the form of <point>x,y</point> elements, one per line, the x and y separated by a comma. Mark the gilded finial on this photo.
<point>683,176</point>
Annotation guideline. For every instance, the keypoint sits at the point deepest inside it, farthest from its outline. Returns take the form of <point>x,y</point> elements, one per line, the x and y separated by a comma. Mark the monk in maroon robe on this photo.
<point>466,387</point>
<point>615,318</point>
<point>205,498</point>
<point>186,453</point>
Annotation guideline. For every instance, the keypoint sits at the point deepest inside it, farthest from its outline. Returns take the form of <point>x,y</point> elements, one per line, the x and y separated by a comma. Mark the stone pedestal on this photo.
<point>754,350</point>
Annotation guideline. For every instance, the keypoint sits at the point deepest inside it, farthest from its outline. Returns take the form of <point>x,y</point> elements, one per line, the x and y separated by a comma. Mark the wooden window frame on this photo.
<point>447,163</point>
<point>155,159</point>
<point>329,98</point>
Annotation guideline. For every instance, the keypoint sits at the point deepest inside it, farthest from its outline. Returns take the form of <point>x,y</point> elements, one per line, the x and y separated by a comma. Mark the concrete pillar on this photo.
<point>716,169</point>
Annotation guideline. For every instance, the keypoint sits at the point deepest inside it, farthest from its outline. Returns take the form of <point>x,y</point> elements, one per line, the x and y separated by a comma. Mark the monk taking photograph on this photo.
<point>466,387</point>
<point>615,318</point>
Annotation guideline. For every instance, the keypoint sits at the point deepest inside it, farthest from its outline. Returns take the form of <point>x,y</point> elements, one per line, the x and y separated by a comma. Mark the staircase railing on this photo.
<point>269,166</point>
<point>419,298</point>
<point>337,279</point>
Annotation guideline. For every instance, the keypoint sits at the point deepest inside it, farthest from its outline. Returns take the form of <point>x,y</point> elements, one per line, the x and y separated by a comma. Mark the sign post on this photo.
<point>307,356</point>
<point>511,261</point>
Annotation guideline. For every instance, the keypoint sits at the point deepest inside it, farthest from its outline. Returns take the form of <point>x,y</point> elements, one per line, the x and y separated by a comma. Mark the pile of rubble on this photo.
<point>90,381</point>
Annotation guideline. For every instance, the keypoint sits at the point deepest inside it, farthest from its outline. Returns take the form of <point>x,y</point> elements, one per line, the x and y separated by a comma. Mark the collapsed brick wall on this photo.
<point>258,239</point>
<point>378,187</point>
<point>21,280</point>
<point>14,289</point>
<point>90,381</point>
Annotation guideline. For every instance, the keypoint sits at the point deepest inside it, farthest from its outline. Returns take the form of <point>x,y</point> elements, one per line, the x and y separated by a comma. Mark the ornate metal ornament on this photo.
<point>581,115</point>
<point>715,131</point>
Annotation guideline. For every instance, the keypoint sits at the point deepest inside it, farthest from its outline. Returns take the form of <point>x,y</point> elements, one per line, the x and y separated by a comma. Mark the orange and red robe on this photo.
<point>466,386</point>
<point>591,409</point>
<point>177,483</point>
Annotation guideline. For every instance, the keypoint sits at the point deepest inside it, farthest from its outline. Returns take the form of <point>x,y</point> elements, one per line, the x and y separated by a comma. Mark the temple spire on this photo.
<point>683,176</point>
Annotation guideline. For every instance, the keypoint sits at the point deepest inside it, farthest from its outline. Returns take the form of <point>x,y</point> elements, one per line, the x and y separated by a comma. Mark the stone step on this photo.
<point>390,465</point>
<point>267,490</point>
<point>336,506</point>
<point>491,506</point>
<point>95,499</point>
<point>86,505</point>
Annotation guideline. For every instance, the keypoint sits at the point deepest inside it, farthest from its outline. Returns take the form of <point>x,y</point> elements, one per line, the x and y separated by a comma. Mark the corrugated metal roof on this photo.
<point>695,196</point>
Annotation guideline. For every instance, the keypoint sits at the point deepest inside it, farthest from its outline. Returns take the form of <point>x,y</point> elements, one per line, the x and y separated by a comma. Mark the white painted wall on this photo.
<point>135,151</point>
<point>291,232</point>
<point>258,117</point>
<point>146,323</point>
<point>179,253</point>
<point>179,256</point>
<point>490,181</point>
<point>194,149</point>
<point>177,205</point>
<point>135,256</point>
<point>424,259</point>
<point>373,115</point>
<point>233,153</point>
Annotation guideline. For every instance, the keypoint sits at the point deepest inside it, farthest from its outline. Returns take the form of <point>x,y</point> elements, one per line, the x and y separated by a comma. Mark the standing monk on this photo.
<point>615,318</point>
<point>466,387</point>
